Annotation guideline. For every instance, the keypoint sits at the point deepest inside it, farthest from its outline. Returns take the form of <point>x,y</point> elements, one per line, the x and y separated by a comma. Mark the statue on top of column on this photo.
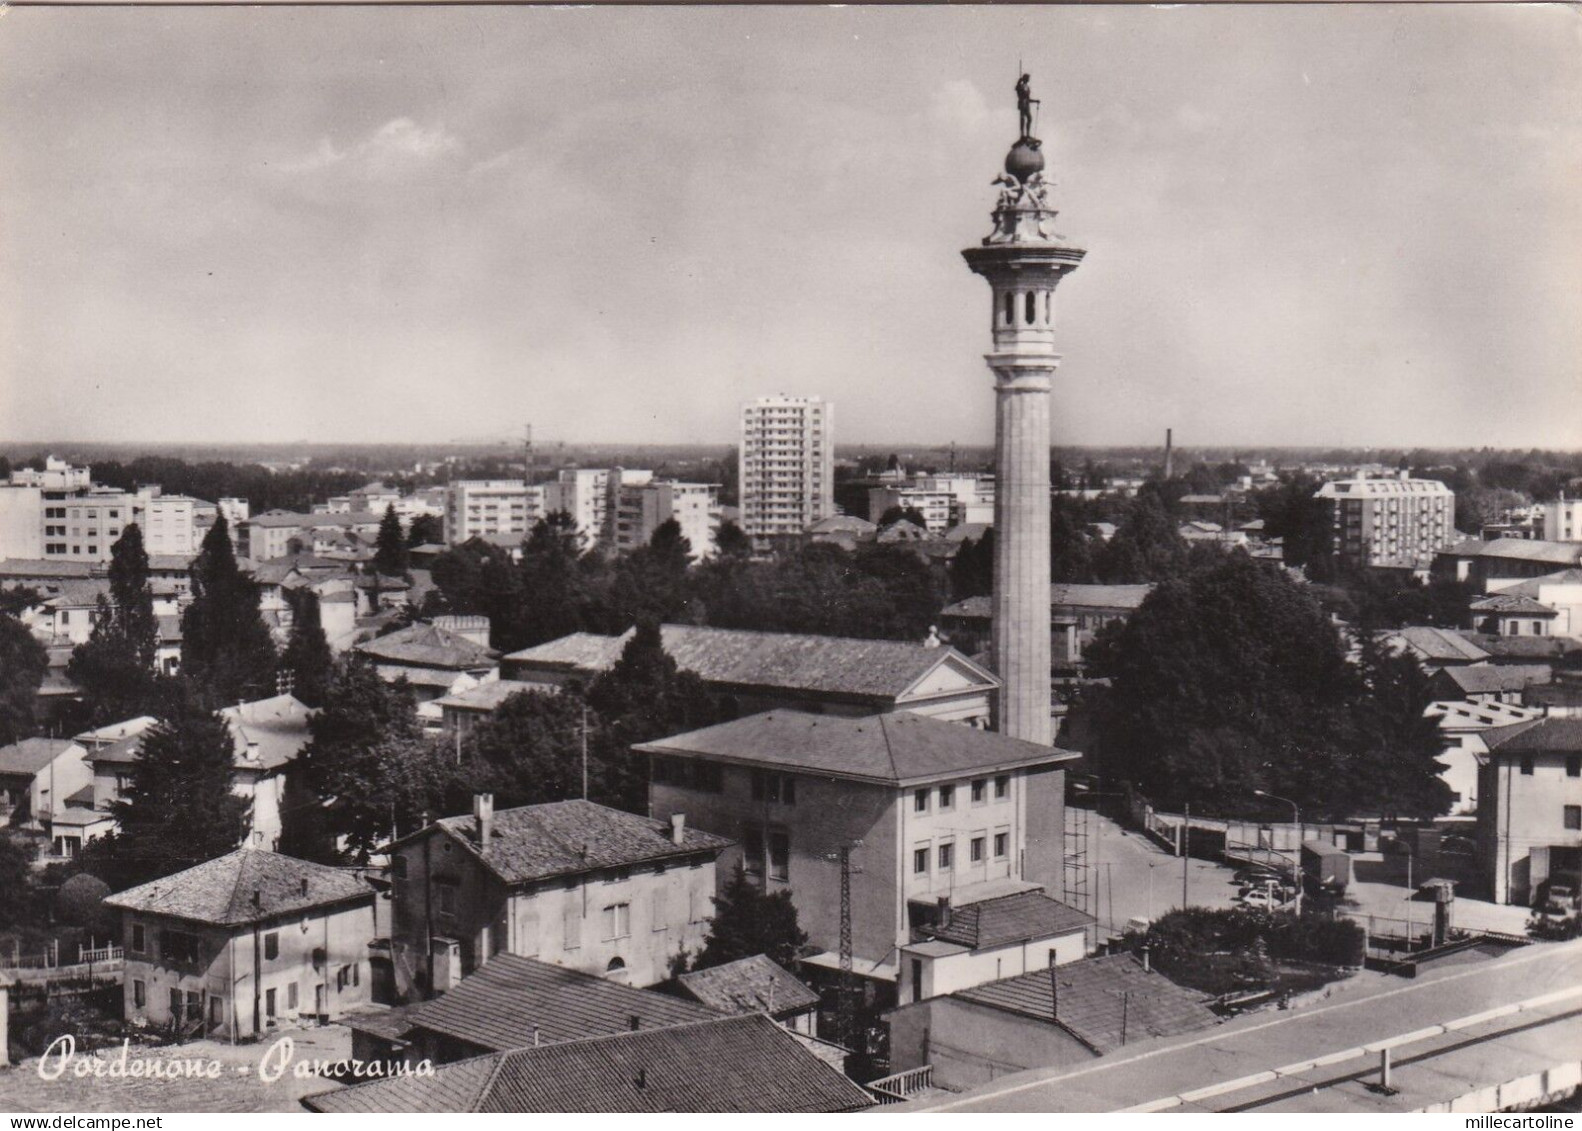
<point>1025,103</point>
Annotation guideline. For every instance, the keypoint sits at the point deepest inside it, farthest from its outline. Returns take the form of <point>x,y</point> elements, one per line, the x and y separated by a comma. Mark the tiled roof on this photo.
<point>1553,695</point>
<point>169,563</point>
<point>1010,919</point>
<point>510,1002</point>
<point>1511,603</point>
<point>1099,596</point>
<point>563,838</point>
<point>1437,644</point>
<point>279,518</point>
<point>32,754</point>
<point>278,726</point>
<point>742,1065</point>
<point>1483,679</point>
<point>1546,735</point>
<point>895,749</point>
<point>115,732</point>
<point>426,645</point>
<point>1093,995</point>
<point>842,524</point>
<point>488,696</point>
<point>1524,647</point>
<point>244,886</point>
<point>77,592</point>
<point>1520,549</point>
<point>843,667</point>
<point>968,531</point>
<point>757,984</point>
<point>40,568</point>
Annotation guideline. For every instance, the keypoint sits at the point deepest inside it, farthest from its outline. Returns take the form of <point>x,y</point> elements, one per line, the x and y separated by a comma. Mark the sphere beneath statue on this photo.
<point>1024,159</point>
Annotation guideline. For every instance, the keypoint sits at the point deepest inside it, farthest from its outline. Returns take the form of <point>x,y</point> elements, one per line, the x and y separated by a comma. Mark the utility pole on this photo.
<point>1186,850</point>
<point>584,751</point>
<point>1054,991</point>
<point>848,1019</point>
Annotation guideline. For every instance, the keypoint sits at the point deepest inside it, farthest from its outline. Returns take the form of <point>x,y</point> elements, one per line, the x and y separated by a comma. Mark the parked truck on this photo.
<point>1325,868</point>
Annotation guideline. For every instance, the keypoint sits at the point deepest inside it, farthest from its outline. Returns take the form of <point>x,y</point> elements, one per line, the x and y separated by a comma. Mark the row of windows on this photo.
<point>978,791</point>
<point>1573,765</point>
<point>977,849</point>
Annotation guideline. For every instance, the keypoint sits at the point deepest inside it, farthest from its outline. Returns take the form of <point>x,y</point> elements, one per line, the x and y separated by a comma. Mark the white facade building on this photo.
<point>787,464</point>
<point>643,508</point>
<point>1563,520</point>
<point>477,507</point>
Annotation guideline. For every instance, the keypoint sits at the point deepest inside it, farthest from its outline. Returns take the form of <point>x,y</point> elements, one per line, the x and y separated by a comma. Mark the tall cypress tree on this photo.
<point>307,656</point>
<point>390,551</point>
<point>115,666</point>
<point>226,647</point>
<point>180,809</point>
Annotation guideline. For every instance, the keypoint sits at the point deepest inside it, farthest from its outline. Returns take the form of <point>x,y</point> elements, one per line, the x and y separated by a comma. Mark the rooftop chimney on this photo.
<point>1169,451</point>
<point>304,885</point>
<point>944,911</point>
<point>678,828</point>
<point>258,898</point>
<point>1147,965</point>
<point>637,1022</point>
<point>483,810</point>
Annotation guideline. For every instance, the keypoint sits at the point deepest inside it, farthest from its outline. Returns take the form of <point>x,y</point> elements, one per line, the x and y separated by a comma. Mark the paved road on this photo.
<point>1368,1008</point>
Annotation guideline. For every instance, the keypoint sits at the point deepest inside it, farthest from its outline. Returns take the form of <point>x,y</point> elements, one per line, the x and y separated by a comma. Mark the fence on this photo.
<point>903,1085</point>
<point>50,959</point>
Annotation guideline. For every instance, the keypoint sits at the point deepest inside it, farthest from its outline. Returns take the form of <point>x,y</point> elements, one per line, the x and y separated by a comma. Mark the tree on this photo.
<point>554,581</point>
<point>1292,513</point>
<point>972,569</point>
<point>903,514</point>
<point>425,530</point>
<point>730,541</point>
<point>529,751</point>
<point>115,667</point>
<point>650,583</point>
<point>747,921</point>
<point>1401,743</point>
<point>1224,682</point>
<point>1071,551</point>
<point>307,656</point>
<point>1146,546</point>
<point>390,550</point>
<point>367,763</point>
<point>80,903</point>
<point>23,662</point>
<point>20,906</point>
<point>226,647</point>
<point>644,696</point>
<point>180,808</point>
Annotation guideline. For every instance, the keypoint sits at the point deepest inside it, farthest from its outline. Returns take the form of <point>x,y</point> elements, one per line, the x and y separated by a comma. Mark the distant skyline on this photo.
<point>1323,226</point>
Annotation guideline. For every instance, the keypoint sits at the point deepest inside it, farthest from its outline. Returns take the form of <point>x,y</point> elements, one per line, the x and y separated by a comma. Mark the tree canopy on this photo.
<point>749,921</point>
<point>23,662</point>
<point>226,648</point>
<point>390,549</point>
<point>115,667</point>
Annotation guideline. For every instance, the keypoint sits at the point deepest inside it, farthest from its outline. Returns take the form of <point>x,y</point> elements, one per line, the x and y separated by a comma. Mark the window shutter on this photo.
<point>572,922</point>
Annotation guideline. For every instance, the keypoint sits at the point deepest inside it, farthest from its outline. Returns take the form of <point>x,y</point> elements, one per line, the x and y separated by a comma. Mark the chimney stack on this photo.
<point>678,828</point>
<point>1169,452</point>
<point>258,898</point>
<point>304,886</point>
<point>637,1022</point>
<point>944,911</point>
<point>1147,964</point>
<point>483,811</point>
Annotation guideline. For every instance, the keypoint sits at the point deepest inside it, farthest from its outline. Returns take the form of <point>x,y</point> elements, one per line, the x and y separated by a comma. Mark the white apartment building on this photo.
<point>1398,522</point>
<point>944,501</point>
<point>590,496</point>
<point>478,507</point>
<point>642,508</point>
<point>787,464</point>
<point>167,521</point>
<point>1563,520</point>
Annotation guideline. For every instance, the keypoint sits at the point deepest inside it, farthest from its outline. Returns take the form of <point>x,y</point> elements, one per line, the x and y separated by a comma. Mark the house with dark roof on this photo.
<point>756,984</point>
<point>1488,683</point>
<point>245,942</point>
<point>1511,614</point>
<point>1560,592</point>
<point>1077,612</point>
<point>744,1065</point>
<point>1434,648</point>
<point>1058,1017</point>
<point>759,671</point>
<point>1547,650</point>
<point>434,661</point>
<point>570,883</point>
<point>1487,564</point>
<point>959,943</point>
<point>513,1002</point>
<point>1530,807</point>
<point>1462,725</point>
<point>926,808</point>
<point>267,734</point>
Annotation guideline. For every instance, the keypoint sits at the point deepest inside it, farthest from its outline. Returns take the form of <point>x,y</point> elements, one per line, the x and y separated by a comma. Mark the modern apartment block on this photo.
<point>1400,522</point>
<point>787,464</point>
<point>58,514</point>
<point>478,507</point>
<point>590,495</point>
<point>944,501</point>
<point>642,508</point>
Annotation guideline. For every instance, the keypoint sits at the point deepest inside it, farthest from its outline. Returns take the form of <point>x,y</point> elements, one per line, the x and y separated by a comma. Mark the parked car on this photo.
<point>1264,899</point>
<point>1257,874</point>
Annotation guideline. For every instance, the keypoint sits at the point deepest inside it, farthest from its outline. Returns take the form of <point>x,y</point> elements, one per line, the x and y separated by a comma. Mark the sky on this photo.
<point>1336,224</point>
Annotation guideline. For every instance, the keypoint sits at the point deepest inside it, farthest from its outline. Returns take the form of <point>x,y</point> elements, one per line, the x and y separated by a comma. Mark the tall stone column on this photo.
<point>1023,260</point>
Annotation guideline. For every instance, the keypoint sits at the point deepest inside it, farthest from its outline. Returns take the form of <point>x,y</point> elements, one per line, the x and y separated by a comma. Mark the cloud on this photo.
<point>400,143</point>
<point>960,105</point>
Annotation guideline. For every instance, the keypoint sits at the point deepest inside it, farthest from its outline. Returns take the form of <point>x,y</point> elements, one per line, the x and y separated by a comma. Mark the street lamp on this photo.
<point>1296,815</point>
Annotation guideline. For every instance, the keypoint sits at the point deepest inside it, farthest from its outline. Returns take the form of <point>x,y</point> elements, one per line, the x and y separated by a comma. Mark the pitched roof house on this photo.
<point>756,984</point>
<point>763,670</point>
<point>570,882</point>
<point>744,1065</point>
<point>239,944</point>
